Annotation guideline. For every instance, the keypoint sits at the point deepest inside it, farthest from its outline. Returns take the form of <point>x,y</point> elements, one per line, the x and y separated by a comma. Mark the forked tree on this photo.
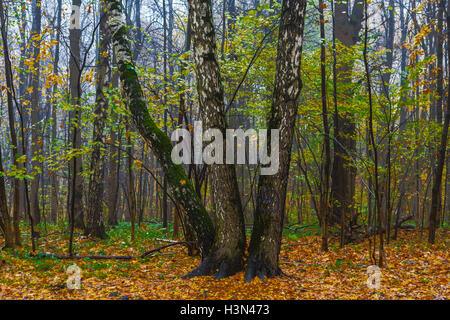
<point>222,245</point>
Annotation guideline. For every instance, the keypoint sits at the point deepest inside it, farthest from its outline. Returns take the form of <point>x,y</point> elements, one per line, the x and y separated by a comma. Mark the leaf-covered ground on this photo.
<point>415,270</point>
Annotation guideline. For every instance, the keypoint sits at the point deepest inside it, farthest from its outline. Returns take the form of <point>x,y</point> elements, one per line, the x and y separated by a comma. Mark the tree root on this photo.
<point>220,267</point>
<point>255,268</point>
<point>283,274</point>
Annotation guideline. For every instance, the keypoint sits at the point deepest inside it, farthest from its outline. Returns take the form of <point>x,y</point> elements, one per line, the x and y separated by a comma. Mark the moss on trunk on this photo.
<point>179,184</point>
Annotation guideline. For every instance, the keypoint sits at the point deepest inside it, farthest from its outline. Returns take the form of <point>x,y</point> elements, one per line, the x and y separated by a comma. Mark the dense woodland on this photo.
<point>91,91</point>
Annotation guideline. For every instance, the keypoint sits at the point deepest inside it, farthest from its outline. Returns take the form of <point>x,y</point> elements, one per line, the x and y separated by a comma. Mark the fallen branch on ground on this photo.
<point>166,240</point>
<point>107,257</point>
<point>298,228</point>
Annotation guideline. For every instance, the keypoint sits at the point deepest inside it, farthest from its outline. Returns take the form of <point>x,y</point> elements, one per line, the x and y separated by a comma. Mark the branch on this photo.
<point>106,257</point>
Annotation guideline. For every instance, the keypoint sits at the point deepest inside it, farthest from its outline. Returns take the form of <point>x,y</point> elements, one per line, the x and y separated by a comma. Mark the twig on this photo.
<point>160,248</point>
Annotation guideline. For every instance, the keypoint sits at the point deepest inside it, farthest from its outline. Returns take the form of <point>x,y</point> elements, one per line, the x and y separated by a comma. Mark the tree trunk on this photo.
<point>229,245</point>
<point>138,37</point>
<point>75,115</point>
<point>36,134</point>
<point>12,130</point>
<point>94,225</point>
<point>164,199</point>
<point>265,242</point>
<point>112,190</point>
<point>130,182</point>
<point>324,206</point>
<point>343,172</point>
<point>374,145</point>
<point>54,178</point>
<point>5,220</point>
<point>437,184</point>
<point>179,185</point>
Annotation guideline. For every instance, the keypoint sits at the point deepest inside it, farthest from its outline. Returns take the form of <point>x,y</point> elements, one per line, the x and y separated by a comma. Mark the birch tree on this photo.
<point>265,242</point>
<point>229,245</point>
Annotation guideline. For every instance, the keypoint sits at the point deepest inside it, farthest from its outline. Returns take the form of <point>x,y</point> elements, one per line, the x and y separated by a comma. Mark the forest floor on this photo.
<point>415,270</point>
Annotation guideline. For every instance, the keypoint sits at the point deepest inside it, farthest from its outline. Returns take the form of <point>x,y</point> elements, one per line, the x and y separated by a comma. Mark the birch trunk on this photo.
<point>229,245</point>
<point>265,242</point>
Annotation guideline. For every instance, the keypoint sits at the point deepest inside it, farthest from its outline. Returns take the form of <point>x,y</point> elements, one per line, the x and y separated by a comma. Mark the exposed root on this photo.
<point>220,267</point>
<point>229,267</point>
<point>283,274</point>
<point>256,268</point>
<point>206,268</point>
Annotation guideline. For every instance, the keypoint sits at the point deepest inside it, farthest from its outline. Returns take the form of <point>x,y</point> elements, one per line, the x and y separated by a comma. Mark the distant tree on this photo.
<point>324,206</point>
<point>36,133</point>
<point>12,130</point>
<point>94,212</point>
<point>348,25</point>
<point>437,184</point>
<point>54,177</point>
<point>76,185</point>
